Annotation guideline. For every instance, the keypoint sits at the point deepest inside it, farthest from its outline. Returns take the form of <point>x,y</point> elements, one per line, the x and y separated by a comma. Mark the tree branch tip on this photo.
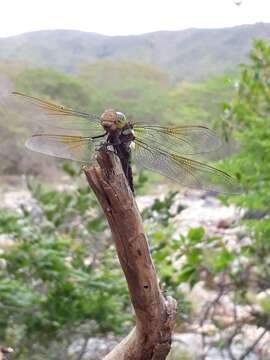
<point>7,350</point>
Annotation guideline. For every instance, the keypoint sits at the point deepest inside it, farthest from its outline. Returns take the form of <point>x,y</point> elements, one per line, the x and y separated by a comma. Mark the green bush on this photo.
<point>247,118</point>
<point>60,273</point>
<point>62,279</point>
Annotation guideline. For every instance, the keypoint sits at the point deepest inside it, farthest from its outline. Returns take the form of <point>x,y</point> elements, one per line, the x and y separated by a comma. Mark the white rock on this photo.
<point>6,240</point>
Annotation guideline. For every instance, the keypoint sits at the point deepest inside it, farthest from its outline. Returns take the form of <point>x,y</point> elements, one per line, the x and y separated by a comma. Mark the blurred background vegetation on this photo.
<point>60,280</point>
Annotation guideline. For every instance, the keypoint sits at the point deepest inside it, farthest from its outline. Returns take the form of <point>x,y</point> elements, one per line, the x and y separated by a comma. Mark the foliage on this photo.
<point>60,275</point>
<point>54,85</point>
<point>247,116</point>
<point>237,271</point>
<point>199,103</point>
<point>161,211</point>
<point>182,259</point>
<point>61,280</point>
<point>139,90</point>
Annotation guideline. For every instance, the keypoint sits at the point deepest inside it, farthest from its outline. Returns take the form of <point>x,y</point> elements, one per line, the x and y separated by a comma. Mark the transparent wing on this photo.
<point>182,140</point>
<point>59,131</point>
<point>64,146</point>
<point>48,115</point>
<point>187,172</point>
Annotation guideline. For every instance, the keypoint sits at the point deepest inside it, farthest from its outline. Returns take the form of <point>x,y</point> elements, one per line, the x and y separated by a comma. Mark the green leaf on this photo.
<point>196,235</point>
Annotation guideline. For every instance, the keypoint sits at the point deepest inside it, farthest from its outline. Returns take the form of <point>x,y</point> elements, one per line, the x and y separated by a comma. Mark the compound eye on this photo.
<point>121,119</point>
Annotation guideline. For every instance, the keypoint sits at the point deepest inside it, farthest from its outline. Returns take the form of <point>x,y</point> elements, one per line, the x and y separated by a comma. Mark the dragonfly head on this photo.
<point>112,120</point>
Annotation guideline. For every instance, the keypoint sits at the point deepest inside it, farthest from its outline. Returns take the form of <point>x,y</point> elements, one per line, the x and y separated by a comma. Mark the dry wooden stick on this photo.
<point>155,314</point>
<point>4,351</point>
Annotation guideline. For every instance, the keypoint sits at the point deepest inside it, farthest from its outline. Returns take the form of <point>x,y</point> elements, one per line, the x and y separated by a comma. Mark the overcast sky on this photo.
<point>125,17</point>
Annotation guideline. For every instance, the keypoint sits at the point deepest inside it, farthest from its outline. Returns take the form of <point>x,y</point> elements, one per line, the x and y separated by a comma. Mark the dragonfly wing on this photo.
<point>59,131</point>
<point>63,146</point>
<point>40,114</point>
<point>189,173</point>
<point>182,140</point>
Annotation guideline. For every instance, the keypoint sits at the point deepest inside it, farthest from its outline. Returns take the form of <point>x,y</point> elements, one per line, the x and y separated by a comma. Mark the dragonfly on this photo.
<point>177,152</point>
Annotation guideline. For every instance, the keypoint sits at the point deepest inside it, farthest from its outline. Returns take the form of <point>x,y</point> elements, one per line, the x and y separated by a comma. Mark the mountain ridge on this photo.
<point>189,54</point>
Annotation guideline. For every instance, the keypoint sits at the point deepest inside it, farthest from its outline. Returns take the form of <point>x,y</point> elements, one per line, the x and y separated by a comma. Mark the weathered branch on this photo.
<point>155,315</point>
<point>4,351</point>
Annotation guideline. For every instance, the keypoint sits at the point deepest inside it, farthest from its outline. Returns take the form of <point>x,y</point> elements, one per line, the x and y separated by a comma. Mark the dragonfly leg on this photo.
<point>98,136</point>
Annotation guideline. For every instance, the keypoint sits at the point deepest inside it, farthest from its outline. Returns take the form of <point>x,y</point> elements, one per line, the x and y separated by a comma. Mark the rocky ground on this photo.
<point>200,210</point>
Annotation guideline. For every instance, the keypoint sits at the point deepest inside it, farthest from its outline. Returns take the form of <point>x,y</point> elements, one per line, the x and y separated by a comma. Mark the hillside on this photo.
<point>191,54</point>
<point>142,92</point>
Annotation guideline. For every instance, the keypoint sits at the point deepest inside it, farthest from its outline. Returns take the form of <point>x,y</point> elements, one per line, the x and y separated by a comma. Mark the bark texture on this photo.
<point>155,314</point>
